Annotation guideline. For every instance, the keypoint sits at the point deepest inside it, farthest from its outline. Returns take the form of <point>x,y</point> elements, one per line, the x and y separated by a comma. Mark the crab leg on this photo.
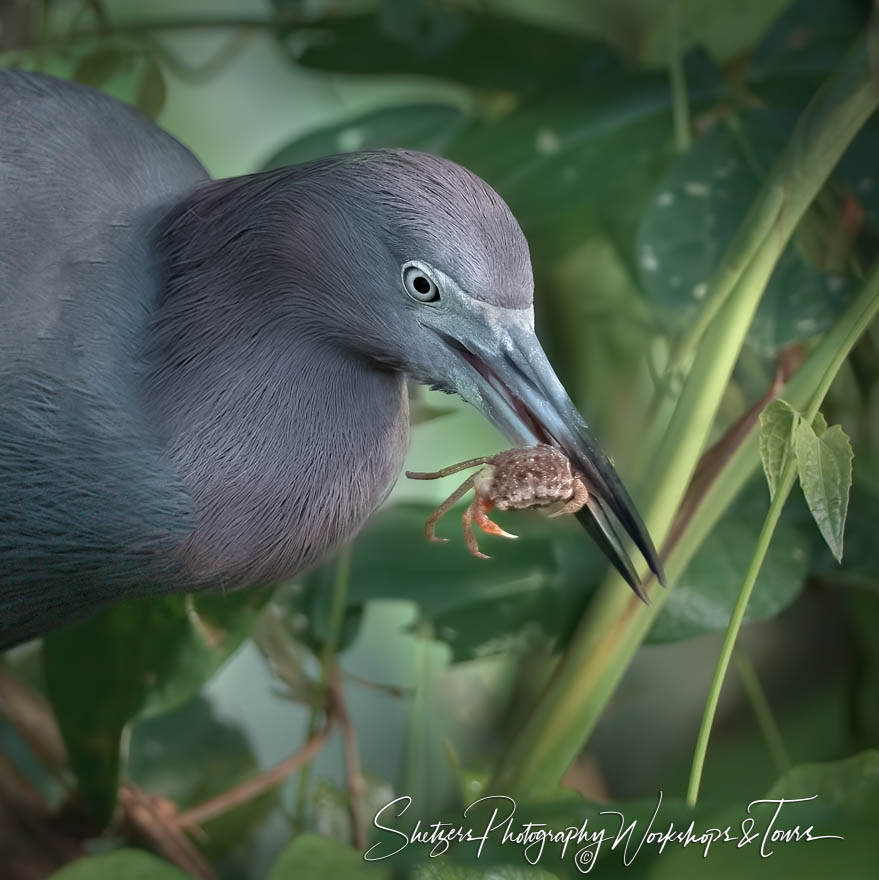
<point>443,509</point>
<point>577,500</point>
<point>469,536</point>
<point>451,469</point>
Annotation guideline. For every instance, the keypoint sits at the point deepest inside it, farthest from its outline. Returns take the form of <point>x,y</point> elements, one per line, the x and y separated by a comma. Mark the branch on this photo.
<point>258,785</point>
<point>356,782</point>
<point>153,819</point>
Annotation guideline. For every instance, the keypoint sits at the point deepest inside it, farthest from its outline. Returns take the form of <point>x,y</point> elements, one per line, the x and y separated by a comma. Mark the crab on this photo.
<point>516,479</point>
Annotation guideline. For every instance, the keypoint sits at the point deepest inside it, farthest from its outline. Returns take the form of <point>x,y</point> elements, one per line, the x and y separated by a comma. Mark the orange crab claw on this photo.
<point>481,508</point>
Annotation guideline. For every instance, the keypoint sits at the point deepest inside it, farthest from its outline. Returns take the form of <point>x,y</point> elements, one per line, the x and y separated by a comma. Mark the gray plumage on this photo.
<point>202,383</point>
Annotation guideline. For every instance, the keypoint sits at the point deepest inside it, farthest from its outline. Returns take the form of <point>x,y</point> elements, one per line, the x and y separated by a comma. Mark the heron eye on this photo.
<point>419,285</point>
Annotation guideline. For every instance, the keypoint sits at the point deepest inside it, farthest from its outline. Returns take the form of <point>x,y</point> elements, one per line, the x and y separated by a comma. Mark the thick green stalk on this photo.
<point>616,622</point>
<point>866,307</point>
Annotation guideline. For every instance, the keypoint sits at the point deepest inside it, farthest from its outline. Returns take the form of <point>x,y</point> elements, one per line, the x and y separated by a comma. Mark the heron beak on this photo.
<point>521,395</point>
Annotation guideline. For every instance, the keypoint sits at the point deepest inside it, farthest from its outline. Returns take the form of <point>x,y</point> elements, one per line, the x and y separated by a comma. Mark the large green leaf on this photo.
<point>703,598</point>
<point>438,39</point>
<point>836,799</point>
<point>593,152</point>
<point>850,786</point>
<point>312,857</point>
<point>135,657</point>
<point>692,215</point>
<point>122,864</point>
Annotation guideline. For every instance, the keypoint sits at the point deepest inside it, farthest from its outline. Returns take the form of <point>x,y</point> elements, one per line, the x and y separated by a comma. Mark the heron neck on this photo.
<point>285,442</point>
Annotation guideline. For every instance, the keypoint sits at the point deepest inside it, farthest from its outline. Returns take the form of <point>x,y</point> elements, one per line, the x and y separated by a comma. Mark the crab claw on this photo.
<point>482,506</point>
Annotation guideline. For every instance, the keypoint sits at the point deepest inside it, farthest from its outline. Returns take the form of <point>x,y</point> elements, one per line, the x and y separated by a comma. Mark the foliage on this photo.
<point>824,465</point>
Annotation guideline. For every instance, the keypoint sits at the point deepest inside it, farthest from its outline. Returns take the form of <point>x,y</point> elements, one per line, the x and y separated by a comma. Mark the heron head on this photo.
<point>450,301</point>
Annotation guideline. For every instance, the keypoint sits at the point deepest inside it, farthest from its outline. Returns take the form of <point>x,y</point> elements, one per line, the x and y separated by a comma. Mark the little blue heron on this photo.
<point>203,382</point>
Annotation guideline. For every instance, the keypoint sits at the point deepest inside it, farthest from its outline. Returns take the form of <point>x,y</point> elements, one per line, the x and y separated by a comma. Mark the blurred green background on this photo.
<point>565,107</point>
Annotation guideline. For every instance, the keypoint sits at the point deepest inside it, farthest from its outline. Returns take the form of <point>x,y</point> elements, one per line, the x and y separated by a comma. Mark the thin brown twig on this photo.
<point>154,820</point>
<point>356,782</point>
<point>392,690</point>
<point>256,786</point>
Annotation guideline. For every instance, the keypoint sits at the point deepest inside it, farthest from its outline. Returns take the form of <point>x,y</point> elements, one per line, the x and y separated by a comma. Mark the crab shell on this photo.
<point>537,476</point>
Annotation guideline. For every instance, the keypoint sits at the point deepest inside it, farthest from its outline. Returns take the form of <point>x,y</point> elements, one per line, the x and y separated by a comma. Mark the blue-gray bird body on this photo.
<point>203,383</point>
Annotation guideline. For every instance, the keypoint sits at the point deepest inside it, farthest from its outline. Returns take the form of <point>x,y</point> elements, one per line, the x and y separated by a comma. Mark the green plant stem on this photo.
<point>616,622</point>
<point>785,484</point>
<point>866,306</point>
<point>762,711</point>
<point>327,661</point>
<point>680,104</point>
<point>745,461</point>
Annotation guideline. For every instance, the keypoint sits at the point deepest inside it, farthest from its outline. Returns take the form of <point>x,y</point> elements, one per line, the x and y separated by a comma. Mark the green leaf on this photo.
<point>850,785</point>
<point>693,214</point>
<point>776,437</point>
<point>135,657</point>
<point>825,468</point>
<point>839,798</point>
<point>312,857</point>
<point>427,127</point>
<point>121,864</point>
<point>586,155</point>
<point>706,592</point>
<point>151,91</point>
<point>100,65</point>
<point>436,39</point>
